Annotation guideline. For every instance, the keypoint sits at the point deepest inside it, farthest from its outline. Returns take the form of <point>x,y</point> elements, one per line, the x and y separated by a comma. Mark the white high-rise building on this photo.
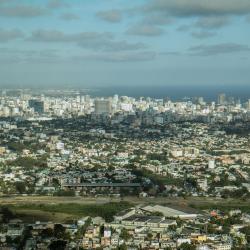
<point>211,164</point>
<point>222,99</point>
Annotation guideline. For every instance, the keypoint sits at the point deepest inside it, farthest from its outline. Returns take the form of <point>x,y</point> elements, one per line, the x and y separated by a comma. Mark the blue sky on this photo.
<point>92,43</point>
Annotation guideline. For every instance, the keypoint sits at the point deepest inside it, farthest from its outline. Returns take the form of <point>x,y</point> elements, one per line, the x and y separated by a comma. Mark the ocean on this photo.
<point>177,92</point>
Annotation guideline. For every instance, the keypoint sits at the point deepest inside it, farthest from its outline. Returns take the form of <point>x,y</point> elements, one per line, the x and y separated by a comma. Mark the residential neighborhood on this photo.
<point>156,155</point>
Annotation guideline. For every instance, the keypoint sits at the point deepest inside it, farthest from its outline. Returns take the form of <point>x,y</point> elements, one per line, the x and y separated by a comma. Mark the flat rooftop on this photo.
<point>167,211</point>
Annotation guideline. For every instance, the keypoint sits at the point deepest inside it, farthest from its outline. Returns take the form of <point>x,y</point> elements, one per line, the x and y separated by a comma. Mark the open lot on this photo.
<point>61,209</point>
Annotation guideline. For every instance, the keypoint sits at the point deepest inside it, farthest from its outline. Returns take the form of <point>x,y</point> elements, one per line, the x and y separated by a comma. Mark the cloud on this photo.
<point>109,45</point>
<point>145,30</point>
<point>212,22</point>
<point>88,40</point>
<point>170,53</point>
<point>118,57</point>
<point>17,56</point>
<point>4,1</point>
<point>53,56</point>
<point>55,4</point>
<point>183,28</point>
<point>149,26</point>
<point>217,49</point>
<point>22,11</point>
<point>112,16</point>
<point>155,19</point>
<point>186,8</point>
<point>10,51</point>
<point>69,16</point>
<point>8,35</point>
<point>203,34</point>
<point>42,35</point>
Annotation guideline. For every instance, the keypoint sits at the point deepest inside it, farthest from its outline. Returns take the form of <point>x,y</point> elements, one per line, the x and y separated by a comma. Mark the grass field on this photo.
<point>224,206</point>
<point>68,211</point>
<point>31,216</point>
<point>61,209</point>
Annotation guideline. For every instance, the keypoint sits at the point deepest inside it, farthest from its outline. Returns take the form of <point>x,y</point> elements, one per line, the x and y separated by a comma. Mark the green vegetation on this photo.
<point>157,179</point>
<point>125,235</point>
<point>226,223</point>
<point>16,146</point>
<point>65,193</point>
<point>162,157</point>
<point>246,231</point>
<point>107,211</point>
<point>58,244</point>
<point>28,162</point>
<point>20,187</point>
<point>6,214</point>
<point>20,146</point>
<point>186,246</point>
<point>81,231</point>
<point>226,152</point>
<point>225,206</point>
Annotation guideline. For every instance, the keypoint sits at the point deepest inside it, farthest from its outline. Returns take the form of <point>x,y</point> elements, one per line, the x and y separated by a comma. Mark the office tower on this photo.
<point>116,98</point>
<point>238,101</point>
<point>222,99</point>
<point>103,106</point>
<point>200,100</point>
<point>248,104</point>
<point>37,105</point>
<point>87,98</point>
<point>231,100</point>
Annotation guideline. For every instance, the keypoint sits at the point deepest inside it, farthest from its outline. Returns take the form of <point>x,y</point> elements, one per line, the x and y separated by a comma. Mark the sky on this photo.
<point>102,43</point>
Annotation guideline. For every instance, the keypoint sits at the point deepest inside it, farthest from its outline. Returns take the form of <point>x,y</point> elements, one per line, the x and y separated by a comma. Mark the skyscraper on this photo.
<point>222,99</point>
<point>103,106</point>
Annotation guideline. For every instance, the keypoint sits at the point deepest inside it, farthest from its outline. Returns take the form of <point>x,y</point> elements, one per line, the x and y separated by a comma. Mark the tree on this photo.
<point>122,247</point>
<point>149,236</point>
<point>124,234</point>
<point>55,182</point>
<point>157,213</point>
<point>59,231</point>
<point>20,187</point>
<point>246,231</point>
<point>47,233</point>
<point>7,214</point>
<point>58,244</point>
<point>172,227</point>
<point>81,231</point>
<point>187,246</point>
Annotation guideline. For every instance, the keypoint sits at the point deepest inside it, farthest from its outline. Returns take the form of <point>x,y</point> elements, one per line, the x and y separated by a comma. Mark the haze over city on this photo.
<point>59,43</point>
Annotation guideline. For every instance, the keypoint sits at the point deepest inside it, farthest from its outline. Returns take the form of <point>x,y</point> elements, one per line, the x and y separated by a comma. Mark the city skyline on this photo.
<point>123,43</point>
<point>124,125</point>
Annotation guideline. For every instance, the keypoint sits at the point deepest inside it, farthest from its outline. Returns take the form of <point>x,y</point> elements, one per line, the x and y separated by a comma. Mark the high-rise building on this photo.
<point>211,164</point>
<point>103,106</point>
<point>222,99</point>
<point>200,100</point>
<point>231,100</point>
<point>37,105</point>
<point>248,104</point>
